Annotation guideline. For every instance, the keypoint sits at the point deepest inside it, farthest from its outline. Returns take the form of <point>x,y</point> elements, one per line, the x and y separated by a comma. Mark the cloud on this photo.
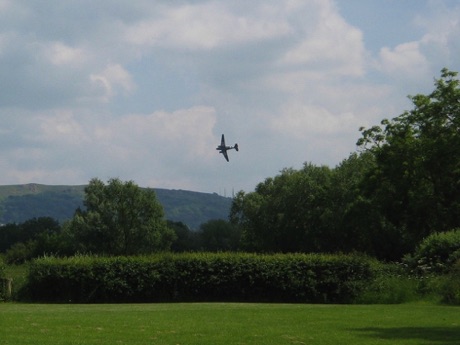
<point>301,120</point>
<point>62,54</point>
<point>406,59</point>
<point>436,48</point>
<point>203,25</point>
<point>143,90</point>
<point>327,41</point>
<point>113,78</point>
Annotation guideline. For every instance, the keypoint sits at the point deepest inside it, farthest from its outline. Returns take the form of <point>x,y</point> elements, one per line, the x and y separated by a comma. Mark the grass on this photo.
<point>19,275</point>
<point>228,323</point>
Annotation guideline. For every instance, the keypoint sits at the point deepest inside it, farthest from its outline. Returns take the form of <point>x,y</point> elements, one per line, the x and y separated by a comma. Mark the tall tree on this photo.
<point>285,213</point>
<point>120,219</point>
<point>314,209</point>
<point>415,181</point>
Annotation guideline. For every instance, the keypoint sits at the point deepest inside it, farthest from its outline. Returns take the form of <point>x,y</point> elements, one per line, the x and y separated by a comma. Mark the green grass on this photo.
<point>19,275</point>
<point>228,323</point>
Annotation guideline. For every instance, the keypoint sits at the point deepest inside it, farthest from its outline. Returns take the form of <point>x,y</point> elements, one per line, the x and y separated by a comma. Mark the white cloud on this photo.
<point>301,120</point>
<point>182,134</point>
<point>112,79</point>
<point>436,48</point>
<point>328,42</point>
<point>404,60</point>
<point>62,127</point>
<point>205,25</point>
<point>62,54</point>
<point>143,89</point>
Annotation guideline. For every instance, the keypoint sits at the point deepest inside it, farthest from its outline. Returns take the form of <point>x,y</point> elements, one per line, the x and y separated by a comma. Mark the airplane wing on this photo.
<point>224,152</point>
<point>222,142</point>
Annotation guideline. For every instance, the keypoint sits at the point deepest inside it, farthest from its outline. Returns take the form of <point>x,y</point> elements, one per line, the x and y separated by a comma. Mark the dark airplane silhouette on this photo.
<point>223,149</point>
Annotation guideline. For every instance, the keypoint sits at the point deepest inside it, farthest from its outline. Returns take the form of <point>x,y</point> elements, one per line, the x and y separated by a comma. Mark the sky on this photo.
<point>142,90</point>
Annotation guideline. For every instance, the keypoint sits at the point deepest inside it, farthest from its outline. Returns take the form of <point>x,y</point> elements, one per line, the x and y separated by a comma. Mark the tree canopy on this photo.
<point>415,182</point>
<point>402,185</point>
<point>120,219</point>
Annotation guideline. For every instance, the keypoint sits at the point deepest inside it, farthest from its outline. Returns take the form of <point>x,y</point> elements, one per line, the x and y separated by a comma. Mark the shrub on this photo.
<point>391,285</point>
<point>436,253</point>
<point>2,268</point>
<point>2,279</point>
<point>450,290</point>
<point>200,277</point>
<point>20,252</point>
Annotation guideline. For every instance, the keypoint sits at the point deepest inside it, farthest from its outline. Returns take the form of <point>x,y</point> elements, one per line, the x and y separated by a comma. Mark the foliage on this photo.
<point>35,237</point>
<point>393,284</point>
<point>19,203</point>
<point>451,287</point>
<point>2,268</point>
<point>400,188</point>
<point>31,229</point>
<point>414,182</point>
<point>315,209</point>
<point>18,275</point>
<point>120,218</point>
<point>2,277</point>
<point>200,277</point>
<point>218,235</point>
<point>186,239</point>
<point>193,208</point>
<point>436,253</point>
<point>20,252</point>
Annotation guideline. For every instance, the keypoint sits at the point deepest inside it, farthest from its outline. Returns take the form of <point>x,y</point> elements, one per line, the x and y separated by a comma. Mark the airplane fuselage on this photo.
<point>222,148</point>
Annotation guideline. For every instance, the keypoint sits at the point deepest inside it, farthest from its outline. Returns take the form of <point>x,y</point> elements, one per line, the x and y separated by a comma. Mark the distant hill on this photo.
<point>19,203</point>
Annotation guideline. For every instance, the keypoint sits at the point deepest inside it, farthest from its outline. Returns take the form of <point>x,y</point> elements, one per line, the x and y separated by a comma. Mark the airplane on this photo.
<point>223,149</point>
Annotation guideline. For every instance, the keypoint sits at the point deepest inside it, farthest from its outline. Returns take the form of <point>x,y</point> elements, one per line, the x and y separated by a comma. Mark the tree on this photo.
<point>285,213</point>
<point>219,235</point>
<point>29,230</point>
<point>414,183</point>
<point>186,239</point>
<point>34,237</point>
<point>314,209</point>
<point>120,219</point>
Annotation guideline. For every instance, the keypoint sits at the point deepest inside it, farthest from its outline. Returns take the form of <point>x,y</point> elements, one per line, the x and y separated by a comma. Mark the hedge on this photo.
<point>309,278</point>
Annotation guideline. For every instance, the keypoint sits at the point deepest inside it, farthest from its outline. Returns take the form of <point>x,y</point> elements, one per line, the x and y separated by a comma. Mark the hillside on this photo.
<point>19,203</point>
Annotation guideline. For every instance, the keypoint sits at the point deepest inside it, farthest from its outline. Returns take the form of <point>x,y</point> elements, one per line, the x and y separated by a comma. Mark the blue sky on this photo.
<point>142,90</point>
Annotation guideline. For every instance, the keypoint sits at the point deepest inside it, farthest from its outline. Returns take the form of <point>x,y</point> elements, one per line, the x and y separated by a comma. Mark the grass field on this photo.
<point>228,323</point>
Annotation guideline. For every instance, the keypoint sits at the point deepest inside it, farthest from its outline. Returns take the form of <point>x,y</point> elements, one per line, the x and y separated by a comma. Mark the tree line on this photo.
<point>402,185</point>
<point>118,218</point>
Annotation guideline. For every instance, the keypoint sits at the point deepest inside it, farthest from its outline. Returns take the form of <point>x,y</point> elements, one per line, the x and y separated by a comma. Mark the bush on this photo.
<point>200,277</point>
<point>19,253</point>
<point>2,268</point>
<point>2,277</point>
<point>392,285</point>
<point>436,253</point>
<point>450,290</point>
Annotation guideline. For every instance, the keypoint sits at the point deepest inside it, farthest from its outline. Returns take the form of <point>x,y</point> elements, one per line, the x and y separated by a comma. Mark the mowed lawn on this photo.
<point>228,323</point>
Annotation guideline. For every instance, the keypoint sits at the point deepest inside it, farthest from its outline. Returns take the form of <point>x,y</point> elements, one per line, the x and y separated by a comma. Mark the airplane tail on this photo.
<point>236,147</point>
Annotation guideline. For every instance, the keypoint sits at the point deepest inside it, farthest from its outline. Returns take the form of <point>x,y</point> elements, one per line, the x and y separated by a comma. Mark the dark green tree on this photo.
<point>186,240</point>
<point>27,231</point>
<point>314,209</point>
<point>120,219</point>
<point>415,183</point>
<point>218,235</point>
<point>34,237</point>
<point>286,213</point>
